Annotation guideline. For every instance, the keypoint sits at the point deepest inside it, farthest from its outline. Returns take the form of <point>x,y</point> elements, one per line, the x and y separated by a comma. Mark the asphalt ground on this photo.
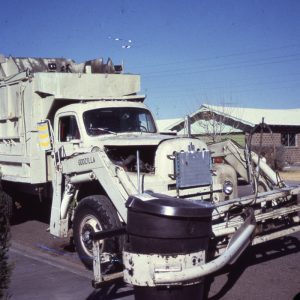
<point>268,271</point>
<point>45,267</point>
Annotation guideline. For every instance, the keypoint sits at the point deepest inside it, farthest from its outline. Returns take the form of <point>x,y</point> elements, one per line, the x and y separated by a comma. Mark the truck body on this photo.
<point>34,94</point>
<point>30,92</point>
<point>81,135</point>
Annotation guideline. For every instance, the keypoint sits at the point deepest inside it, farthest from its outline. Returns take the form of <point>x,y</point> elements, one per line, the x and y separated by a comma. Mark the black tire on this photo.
<point>95,213</point>
<point>7,203</point>
<point>5,269</point>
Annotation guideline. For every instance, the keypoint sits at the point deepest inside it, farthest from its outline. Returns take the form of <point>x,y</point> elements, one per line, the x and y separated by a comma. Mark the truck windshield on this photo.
<point>118,119</point>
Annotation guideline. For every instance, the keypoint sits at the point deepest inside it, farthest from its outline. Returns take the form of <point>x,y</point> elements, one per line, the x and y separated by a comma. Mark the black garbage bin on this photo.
<point>168,226</point>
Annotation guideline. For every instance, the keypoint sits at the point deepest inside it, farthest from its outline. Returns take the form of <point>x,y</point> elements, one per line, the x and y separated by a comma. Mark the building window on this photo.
<point>288,139</point>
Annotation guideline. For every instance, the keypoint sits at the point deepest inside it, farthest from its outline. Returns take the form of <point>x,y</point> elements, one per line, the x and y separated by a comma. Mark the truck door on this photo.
<point>68,135</point>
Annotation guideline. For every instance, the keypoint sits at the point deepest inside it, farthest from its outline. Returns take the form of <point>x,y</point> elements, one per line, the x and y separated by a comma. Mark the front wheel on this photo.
<point>93,214</point>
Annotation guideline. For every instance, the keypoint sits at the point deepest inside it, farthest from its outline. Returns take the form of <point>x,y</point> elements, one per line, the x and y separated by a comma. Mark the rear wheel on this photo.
<point>93,214</point>
<point>7,203</point>
<point>262,187</point>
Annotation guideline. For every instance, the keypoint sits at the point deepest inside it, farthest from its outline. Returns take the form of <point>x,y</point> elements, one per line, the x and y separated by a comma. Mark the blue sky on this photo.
<point>242,53</point>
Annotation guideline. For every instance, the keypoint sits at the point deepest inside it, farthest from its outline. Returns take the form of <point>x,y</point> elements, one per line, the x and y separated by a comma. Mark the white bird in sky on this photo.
<point>125,42</point>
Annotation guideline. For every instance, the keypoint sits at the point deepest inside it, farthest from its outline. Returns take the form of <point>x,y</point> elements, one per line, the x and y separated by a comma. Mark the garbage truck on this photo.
<point>80,135</point>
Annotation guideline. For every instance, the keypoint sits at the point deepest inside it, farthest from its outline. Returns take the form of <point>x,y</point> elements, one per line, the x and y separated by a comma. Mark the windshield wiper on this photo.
<point>100,130</point>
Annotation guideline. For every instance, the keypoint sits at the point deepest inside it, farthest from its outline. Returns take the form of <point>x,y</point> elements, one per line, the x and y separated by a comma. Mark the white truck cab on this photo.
<point>89,124</point>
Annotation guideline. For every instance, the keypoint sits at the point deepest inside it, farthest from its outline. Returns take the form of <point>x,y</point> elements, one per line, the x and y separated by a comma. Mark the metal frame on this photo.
<point>182,269</point>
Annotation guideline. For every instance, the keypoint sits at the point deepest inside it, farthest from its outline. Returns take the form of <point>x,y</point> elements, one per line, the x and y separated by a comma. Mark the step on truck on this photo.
<point>81,135</point>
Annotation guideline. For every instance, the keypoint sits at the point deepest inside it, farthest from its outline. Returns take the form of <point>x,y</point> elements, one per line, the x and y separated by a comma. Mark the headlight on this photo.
<point>228,187</point>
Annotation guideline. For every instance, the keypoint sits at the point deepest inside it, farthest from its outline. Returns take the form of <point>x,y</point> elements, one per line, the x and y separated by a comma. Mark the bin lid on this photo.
<point>169,206</point>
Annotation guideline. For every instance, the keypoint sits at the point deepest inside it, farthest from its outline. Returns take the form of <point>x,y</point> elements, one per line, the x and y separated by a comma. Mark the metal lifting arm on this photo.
<point>235,156</point>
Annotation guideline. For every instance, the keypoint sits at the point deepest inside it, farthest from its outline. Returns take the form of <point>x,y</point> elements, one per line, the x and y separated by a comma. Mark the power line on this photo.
<point>222,67</point>
<point>179,89</point>
<point>235,54</point>
<point>212,84</point>
<point>188,94</point>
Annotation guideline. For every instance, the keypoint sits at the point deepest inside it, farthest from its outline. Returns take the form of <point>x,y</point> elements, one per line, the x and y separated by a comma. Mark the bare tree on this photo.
<point>217,124</point>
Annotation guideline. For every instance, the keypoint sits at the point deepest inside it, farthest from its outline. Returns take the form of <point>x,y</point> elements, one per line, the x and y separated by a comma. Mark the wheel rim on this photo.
<point>89,224</point>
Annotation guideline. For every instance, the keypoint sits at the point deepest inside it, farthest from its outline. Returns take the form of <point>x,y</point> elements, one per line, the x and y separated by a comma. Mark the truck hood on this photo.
<point>133,139</point>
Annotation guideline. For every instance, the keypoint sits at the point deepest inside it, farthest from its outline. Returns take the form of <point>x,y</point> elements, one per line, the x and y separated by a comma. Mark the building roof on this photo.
<point>170,125</point>
<point>253,116</point>
<point>165,125</point>
<point>239,118</point>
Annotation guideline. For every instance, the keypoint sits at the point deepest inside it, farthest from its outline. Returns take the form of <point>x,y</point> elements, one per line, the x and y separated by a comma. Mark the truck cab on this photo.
<point>126,132</point>
<point>86,125</point>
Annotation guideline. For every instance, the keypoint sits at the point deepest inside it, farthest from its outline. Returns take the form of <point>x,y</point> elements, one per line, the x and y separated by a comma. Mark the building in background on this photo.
<point>215,123</point>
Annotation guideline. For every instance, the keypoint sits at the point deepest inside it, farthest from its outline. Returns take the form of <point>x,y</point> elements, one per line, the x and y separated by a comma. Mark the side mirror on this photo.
<point>44,135</point>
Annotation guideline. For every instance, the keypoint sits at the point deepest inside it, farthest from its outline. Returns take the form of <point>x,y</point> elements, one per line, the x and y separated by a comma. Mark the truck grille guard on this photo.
<point>241,230</point>
<point>237,244</point>
<point>166,275</point>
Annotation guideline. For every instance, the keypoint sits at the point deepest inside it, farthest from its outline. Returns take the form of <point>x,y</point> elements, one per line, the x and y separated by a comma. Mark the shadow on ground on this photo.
<point>29,208</point>
<point>116,291</point>
<point>253,255</point>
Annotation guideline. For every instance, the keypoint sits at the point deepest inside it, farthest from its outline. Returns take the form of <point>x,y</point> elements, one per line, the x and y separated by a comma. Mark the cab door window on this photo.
<point>68,129</point>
